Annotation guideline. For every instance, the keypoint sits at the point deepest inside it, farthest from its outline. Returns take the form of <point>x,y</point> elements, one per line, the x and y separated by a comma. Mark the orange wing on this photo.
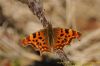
<point>63,37</point>
<point>37,40</point>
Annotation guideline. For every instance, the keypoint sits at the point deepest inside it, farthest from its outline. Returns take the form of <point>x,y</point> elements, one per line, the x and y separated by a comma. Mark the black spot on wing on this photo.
<point>34,35</point>
<point>58,41</point>
<point>65,40</point>
<point>59,38</point>
<point>62,41</point>
<point>61,30</point>
<point>73,33</point>
<point>40,37</point>
<point>67,31</point>
<point>70,40</point>
<point>43,40</point>
<point>36,40</point>
<point>65,36</point>
<point>39,33</point>
<point>68,35</point>
<point>44,43</point>
<point>61,34</point>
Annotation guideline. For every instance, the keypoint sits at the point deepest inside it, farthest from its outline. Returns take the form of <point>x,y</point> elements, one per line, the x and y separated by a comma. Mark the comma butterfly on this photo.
<point>52,39</point>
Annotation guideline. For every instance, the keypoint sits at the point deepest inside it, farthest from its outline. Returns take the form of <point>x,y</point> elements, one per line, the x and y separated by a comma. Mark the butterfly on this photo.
<point>51,39</point>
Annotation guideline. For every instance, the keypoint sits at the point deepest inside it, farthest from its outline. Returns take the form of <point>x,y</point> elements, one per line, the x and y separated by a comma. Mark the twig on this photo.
<point>37,10</point>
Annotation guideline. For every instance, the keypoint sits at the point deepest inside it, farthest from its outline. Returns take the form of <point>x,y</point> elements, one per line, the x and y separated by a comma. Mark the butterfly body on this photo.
<point>50,39</point>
